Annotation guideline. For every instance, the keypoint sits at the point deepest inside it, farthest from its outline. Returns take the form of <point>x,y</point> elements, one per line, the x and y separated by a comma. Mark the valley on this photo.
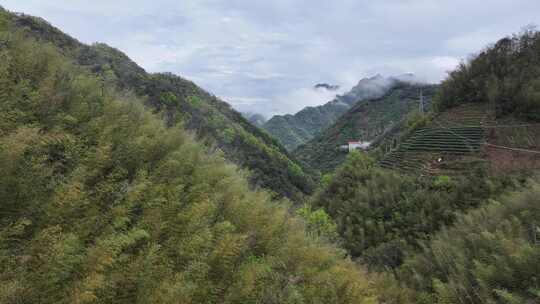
<point>123,186</point>
<point>295,130</point>
<point>179,100</point>
<point>367,120</point>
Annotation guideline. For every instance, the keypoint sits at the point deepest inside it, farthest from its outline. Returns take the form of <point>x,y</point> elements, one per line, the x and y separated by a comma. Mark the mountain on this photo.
<point>504,75</point>
<point>483,262</point>
<point>487,114</point>
<point>255,119</point>
<point>366,121</point>
<point>452,217</point>
<point>103,203</point>
<point>181,101</point>
<point>295,130</point>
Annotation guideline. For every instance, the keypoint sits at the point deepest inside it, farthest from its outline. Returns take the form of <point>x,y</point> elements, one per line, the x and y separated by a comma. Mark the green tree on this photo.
<point>319,223</point>
<point>102,203</point>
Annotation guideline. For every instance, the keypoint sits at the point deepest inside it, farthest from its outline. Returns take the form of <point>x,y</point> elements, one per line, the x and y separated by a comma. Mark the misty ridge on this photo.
<point>366,88</point>
<point>293,130</point>
<point>255,118</point>
<point>375,87</point>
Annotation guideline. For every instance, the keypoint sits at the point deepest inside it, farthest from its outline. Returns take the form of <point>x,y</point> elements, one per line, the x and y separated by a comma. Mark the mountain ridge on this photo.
<point>293,130</point>
<point>102,202</point>
<point>365,121</point>
<point>182,101</point>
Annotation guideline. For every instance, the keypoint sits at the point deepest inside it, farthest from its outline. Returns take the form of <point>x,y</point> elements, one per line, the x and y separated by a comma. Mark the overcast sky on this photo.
<point>265,56</point>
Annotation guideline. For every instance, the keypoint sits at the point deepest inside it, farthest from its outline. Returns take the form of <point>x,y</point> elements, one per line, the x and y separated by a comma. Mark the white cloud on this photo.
<point>244,101</point>
<point>271,53</point>
<point>295,100</point>
<point>445,63</point>
<point>473,41</point>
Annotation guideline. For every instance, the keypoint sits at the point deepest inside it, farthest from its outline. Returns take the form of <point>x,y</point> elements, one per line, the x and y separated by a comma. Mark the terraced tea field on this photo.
<point>450,136</point>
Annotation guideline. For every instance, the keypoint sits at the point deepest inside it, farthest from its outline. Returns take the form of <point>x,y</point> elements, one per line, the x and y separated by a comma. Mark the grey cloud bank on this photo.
<point>266,56</point>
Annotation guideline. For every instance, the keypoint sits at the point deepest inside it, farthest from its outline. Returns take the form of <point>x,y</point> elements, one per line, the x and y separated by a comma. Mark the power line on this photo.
<point>513,149</point>
<point>422,100</point>
<point>511,126</point>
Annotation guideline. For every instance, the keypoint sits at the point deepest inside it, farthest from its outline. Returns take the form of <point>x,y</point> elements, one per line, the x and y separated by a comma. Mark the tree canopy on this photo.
<point>381,215</point>
<point>506,75</point>
<point>102,203</point>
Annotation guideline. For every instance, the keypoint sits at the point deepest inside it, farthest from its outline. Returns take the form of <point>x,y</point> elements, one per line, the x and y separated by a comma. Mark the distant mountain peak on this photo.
<point>367,120</point>
<point>255,118</point>
<point>407,77</point>
<point>295,130</point>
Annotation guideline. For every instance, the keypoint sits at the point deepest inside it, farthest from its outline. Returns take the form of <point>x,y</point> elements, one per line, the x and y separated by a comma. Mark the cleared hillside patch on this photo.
<point>468,137</point>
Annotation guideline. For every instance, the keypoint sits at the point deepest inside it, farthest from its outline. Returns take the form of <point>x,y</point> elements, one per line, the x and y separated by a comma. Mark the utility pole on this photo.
<point>422,100</point>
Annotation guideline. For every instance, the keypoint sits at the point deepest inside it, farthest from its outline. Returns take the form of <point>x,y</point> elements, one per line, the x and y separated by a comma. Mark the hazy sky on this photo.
<point>265,56</point>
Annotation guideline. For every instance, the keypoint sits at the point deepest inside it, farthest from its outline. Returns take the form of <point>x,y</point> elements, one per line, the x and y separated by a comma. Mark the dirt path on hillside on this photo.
<point>502,160</point>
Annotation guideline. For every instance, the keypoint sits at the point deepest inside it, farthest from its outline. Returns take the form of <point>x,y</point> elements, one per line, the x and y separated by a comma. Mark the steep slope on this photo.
<point>505,76</point>
<point>381,215</point>
<point>255,119</point>
<point>295,130</point>
<point>101,203</point>
<point>450,143</point>
<point>489,256</point>
<point>486,115</point>
<point>486,118</point>
<point>180,100</point>
<point>365,121</point>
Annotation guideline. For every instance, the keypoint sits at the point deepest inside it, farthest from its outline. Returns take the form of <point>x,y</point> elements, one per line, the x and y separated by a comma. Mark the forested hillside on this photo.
<point>381,214</point>
<point>484,116</point>
<point>102,203</point>
<point>506,75</point>
<point>366,121</point>
<point>489,256</point>
<point>181,101</point>
<point>438,239</point>
<point>295,130</point>
<point>467,237</point>
<point>120,186</point>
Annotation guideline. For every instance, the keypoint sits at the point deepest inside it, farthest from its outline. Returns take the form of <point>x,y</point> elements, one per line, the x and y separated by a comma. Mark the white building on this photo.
<point>355,145</point>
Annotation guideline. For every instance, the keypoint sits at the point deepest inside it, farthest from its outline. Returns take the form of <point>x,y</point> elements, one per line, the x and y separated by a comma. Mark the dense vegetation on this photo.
<point>490,256</point>
<point>181,101</point>
<point>295,130</point>
<point>450,239</point>
<point>380,214</point>
<point>102,203</point>
<point>506,75</point>
<point>106,198</point>
<point>367,120</point>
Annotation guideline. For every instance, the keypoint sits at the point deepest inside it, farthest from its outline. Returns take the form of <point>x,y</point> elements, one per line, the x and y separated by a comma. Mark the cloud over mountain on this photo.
<point>253,53</point>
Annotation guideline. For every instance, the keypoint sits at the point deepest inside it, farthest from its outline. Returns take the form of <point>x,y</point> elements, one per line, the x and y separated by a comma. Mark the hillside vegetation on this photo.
<point>489,256</point>
<point>381,215</point>
<point>367,120</point>
<point>455,230</point>
<point>181,101</point>
<point>440,239</point>
<point>102,203</point>
<point>118,186</point>
<point>506,75</point>
<point>486,115</point>
<point>447,143</point>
